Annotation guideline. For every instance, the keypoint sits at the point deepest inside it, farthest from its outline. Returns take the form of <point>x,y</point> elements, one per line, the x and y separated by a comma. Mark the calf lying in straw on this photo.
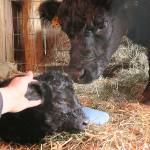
<point>59,111</point>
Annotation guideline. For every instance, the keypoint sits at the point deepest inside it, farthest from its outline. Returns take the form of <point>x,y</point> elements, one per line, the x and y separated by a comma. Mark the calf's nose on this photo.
<point>82,124</point>
<point>85,122</point>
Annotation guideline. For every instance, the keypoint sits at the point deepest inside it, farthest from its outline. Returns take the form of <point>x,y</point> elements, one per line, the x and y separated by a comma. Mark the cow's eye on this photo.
<point>103,25</point>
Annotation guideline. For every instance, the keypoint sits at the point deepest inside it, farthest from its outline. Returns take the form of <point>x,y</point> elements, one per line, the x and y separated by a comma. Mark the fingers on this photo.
<point>35,80</point>
<point>24,104</point>
<point>29,74</point>
<point>33,103</point>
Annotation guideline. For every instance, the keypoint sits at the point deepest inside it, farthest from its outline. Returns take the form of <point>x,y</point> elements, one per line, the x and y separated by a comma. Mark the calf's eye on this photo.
<point>62,100</point>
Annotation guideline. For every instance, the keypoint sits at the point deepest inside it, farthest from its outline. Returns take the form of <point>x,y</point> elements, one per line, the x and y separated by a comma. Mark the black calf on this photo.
<point>60,111</point>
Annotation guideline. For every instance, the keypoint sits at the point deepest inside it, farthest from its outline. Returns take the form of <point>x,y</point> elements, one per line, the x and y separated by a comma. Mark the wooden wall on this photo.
<point>30,46</point>
<point>21,39</point>
<point>27,35</point>
<point>31,43</point>
<point>6,31</point>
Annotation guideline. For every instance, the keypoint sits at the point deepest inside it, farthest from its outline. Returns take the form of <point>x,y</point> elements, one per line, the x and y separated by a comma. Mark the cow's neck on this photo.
<point>135,16</point>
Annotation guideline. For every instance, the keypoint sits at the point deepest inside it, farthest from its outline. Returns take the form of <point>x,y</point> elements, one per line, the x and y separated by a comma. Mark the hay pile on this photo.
<point>129,128</point>
<point>129,125</point>
<point>57,45</point>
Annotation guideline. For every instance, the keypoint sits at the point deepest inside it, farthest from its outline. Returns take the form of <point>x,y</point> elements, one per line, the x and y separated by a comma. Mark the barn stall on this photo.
<point>25,44</point>
<point>28,45</point>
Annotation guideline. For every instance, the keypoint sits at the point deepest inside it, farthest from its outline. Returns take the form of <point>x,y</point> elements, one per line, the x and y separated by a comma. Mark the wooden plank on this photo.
<point>2,31</point>
<point>6,43</point>
<point>8,31</point>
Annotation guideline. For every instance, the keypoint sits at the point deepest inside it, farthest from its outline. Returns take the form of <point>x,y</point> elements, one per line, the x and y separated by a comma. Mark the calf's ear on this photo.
<point>34,91</point>
<point>48,10</point>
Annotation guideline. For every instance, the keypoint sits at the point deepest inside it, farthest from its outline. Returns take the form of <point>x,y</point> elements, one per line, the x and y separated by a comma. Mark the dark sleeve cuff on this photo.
<point>1,104</point>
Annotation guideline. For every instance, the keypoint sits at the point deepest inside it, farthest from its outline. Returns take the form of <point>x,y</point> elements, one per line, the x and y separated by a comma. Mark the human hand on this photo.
<point>14,94</point>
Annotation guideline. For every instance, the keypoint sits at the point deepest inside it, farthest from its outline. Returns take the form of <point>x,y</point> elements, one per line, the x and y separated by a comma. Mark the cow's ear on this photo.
<point>103,3</point>
<point>48,10</point>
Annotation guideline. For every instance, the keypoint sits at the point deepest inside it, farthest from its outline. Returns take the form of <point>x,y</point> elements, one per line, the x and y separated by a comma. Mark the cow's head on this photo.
<point>91,31</point>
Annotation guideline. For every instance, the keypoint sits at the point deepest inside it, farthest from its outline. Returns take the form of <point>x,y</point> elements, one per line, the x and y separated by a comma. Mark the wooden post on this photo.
<point>2,31</point>
<point>9,31</point>
<point>6,30</point>
<point>32,38</point>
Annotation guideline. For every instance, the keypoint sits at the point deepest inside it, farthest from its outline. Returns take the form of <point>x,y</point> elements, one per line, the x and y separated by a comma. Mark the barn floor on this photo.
<point>116,93</point>
<point>128,128</point>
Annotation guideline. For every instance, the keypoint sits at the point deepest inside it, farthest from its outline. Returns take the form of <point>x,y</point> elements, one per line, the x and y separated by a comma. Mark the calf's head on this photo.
<point>62,109</point>
<point>91,33</point>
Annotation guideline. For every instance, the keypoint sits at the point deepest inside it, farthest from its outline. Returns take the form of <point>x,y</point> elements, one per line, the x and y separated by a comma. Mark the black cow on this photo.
<point>95,29</point>
<point>59,111</point>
